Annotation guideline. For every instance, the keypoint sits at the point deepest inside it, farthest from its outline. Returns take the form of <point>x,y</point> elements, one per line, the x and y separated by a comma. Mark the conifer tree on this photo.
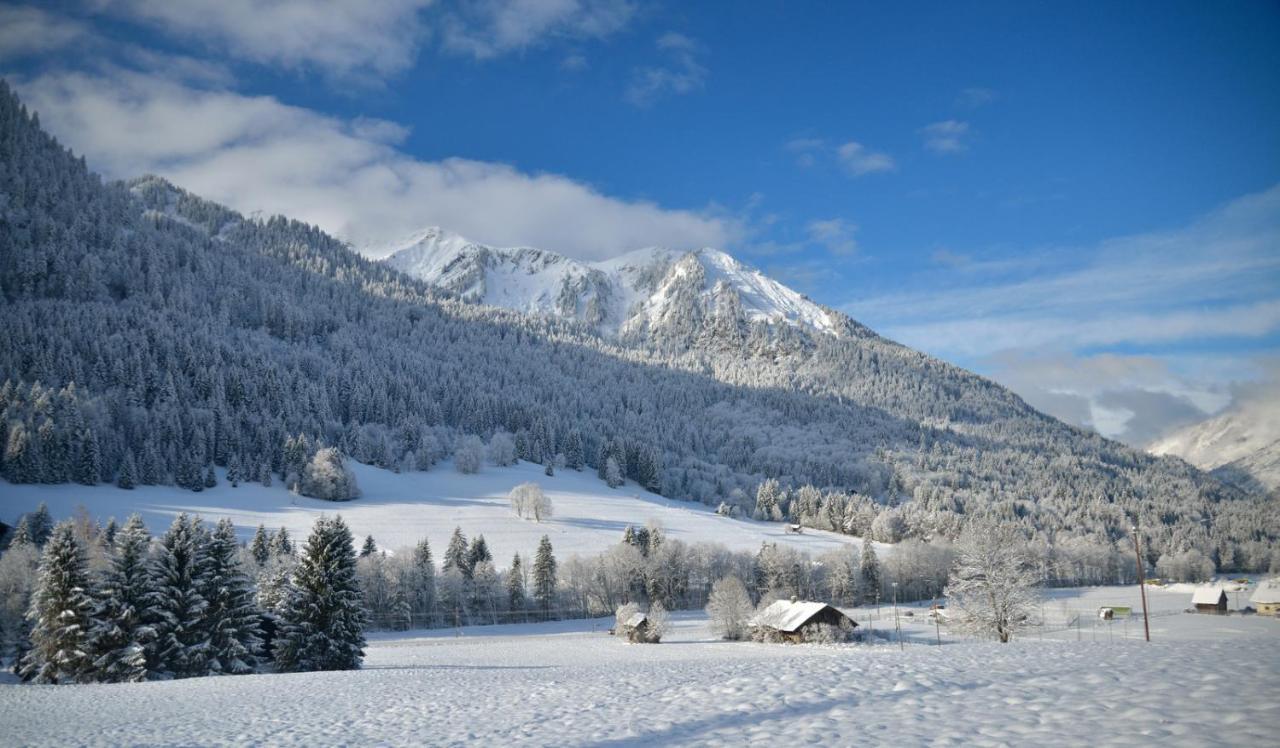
<point>120,633</point>
<point>89,469</point>
<point>281,544</point>
<point>232,618</point>
<point>181,646</point>
<point>869,570</point>
<point>423,582</point>
<point>40,525</point>
<point>60,613</point>
<point>128,477</point>
<point>455,554</point>
<point>260,547</point>
<point>515,589</point>
<point>544,577</point>
<point>478,553</point>
<point>210,478</point>
<point>322,621</point>
<point>369,548</point>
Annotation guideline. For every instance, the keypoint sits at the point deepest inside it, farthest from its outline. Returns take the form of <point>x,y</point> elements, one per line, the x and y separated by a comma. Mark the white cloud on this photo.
<point>341,37</point>
<point>489,28</point>
<point>256,153</point>
<point>682,73</point>
<point>26,30</point>
<point>857,160</point>
<point>947,136</point>
<point>836,234</point>
<point>975,97</point>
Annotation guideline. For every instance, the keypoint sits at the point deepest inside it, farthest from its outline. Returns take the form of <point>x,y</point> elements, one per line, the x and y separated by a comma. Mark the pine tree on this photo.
<point>515,589</point>
<point>423,599</point>
<point>613,473</point>
<point>322,621</point>
<point>181,646</point>
<point>869,570</point>
<point>40,525</point>
<point>120,634</point>
<point>281,544</point>
<point>22,534</point>
<point>260,547</point>
<point>478,553</point>
<point>128,477</point>
<point>369,548</point>
<point>210,478</point>
<point>109,532</point>
<point>232,619</point>
<point>544,577</point>
<point>455,554</point>
<point>89,469</point>
<point>60,613</point>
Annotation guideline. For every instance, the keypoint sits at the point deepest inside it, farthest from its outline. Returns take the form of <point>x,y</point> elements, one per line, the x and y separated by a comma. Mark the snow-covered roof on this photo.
<point>787,616</point>
<point>1268,592</point>
<point>1208,595</point>
<point>635,620</point>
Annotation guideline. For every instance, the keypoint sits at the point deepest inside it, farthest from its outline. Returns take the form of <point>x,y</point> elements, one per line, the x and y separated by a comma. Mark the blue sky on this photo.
<point>1079,200</point>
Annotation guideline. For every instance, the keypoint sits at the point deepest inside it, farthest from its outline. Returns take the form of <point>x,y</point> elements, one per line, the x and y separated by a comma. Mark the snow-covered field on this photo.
<point>1204,680</point>
<point>401,509</point>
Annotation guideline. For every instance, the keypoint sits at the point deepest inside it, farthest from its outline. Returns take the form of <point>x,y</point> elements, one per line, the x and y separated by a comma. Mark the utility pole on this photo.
<point>937,627</point>
<point>896,623</point>
<point>1142,584</point>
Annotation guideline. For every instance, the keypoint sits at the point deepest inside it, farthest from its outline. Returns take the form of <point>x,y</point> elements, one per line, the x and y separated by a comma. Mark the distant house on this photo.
<point>1266,599</point>
<point>793,620</point>
<point>1210,600</point>
<point>636,628</point>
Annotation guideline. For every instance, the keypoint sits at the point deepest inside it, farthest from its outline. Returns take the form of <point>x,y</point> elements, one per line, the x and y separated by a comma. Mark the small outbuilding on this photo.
<point>1266,599</point>
<point>636,628</point>
<point>1210,600</point>
<point>797,620</point>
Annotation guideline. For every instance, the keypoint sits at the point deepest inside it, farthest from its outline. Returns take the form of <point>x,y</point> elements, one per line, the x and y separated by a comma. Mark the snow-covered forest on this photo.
<point>151,335</point>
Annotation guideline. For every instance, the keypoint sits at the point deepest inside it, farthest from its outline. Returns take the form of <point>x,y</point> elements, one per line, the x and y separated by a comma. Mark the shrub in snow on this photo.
<point>59,613</point>
<point>624,614</point>
<point>327,477</point>
<point>528,500</point>
<point>659,623</point>
<point>468,455</point>
<point>992,587</point>
<point>729,608</point>
<point>323,618</point>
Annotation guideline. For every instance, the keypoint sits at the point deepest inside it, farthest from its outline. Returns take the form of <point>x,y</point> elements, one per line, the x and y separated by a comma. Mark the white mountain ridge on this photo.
<point>1240,444</point>
<point>644,289</point>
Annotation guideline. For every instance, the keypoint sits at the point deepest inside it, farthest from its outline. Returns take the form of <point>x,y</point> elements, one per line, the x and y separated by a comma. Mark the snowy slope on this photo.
<point>401,509</point>
<point>1203,680</point>
<point>1245,440</point>
<point>641,290</point>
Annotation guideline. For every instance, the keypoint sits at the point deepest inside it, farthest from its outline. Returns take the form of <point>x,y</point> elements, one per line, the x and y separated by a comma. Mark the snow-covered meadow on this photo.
<point>1204,680</point>
<point>399,509</point>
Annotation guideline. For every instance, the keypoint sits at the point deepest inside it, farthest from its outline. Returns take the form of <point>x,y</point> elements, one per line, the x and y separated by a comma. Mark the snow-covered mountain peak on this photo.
<point>653,289</point>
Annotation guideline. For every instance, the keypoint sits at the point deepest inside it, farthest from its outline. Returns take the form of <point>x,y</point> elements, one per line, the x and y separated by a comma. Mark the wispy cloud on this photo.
<point>26,30</point>
<point>853,157</point>
<point>1217,279</point>
<point>858,160</point>
<point>835,234</point>
<point>346,39</point>
<point>494,27</point>
<point>946,137</point>
<point>681,73</point>
<point>975,97</point>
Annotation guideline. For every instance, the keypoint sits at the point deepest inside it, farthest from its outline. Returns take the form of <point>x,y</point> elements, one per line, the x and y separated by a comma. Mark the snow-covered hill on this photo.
<point>399,509</point>
<point>1241,445</point>
<point>645,290</point>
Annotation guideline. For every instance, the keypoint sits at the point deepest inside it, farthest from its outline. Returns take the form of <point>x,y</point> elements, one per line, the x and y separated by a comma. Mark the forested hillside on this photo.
<point>149,334</point>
